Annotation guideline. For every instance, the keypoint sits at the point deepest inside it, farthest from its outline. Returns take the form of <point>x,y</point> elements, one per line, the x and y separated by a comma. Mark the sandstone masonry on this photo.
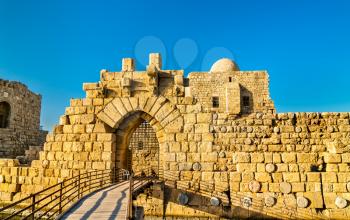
<point>219,136</point>
<point>19,119</point>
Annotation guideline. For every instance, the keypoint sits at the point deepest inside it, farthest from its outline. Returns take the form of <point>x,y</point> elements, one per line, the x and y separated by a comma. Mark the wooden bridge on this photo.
<point>93,195</point>
<point>109,203</point>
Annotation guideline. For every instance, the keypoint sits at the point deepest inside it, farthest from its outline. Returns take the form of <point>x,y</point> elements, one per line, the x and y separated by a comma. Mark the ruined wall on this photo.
<point>290,165</point>
<point>23,124</point>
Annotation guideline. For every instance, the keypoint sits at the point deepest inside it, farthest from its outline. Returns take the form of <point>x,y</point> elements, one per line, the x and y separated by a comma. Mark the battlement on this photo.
<point>17,86</point>
<point>225,88</point>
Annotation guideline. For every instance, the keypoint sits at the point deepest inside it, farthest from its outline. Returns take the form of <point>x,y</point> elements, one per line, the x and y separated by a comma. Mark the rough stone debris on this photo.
<point>214,149</point>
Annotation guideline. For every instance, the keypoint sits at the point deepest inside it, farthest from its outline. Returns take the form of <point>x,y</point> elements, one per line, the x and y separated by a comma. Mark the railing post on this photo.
<point>101,179</point>
<point>60,203</point>
<point>33,206</point>
<point>79,185</point>
<point>114,175</point>
<point>89,181</point>
<point>131,184</point>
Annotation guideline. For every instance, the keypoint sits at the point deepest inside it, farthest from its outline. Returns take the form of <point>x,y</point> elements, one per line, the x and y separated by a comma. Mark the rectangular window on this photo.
<point>215,100</point>
<point>230,79</point>
<point>246,101</point>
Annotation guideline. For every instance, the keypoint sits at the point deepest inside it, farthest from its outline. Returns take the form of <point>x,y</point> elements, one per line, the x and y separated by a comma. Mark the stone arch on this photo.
<point>126,114</point>
<point>158,108</point>
<point>5,112</point>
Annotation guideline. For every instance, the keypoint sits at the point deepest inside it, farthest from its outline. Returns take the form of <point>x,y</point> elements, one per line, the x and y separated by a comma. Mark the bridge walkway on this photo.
<point>109,204</point>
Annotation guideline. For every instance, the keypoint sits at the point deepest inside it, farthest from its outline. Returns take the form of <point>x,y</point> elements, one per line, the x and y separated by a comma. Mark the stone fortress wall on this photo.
<point>236,150</point>
<point>19,119</point>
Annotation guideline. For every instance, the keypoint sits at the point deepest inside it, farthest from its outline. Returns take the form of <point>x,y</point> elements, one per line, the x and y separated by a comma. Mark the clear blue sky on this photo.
<point>55,46</point>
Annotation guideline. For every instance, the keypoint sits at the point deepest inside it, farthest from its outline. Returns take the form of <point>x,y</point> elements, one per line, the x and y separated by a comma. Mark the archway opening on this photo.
<point>143,151</point>
<point>139,144</point>
<point>5,110</point>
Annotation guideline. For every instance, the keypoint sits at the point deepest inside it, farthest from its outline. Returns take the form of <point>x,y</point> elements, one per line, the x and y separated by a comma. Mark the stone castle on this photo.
<point>215,134</point>
<point>19,119</point>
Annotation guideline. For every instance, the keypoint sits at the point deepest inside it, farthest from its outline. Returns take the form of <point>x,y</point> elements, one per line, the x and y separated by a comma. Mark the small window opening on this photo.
<point>246,102</point>
<point>230,79</point>
<point>4,114</point>
<point>215,100</point>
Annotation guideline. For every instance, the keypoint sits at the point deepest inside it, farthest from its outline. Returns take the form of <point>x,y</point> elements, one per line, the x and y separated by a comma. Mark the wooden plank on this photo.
<point>109,203</point>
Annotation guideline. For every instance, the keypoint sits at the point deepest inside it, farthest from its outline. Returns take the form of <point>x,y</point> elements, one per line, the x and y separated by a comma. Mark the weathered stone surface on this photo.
<point>182,199</point>
<point>341,202</point>
<point>196,166</point>
<point>302,202</point>
<point>246,202</point>
<point>211,133</point>
<point>285,187</point>
<point>270,201</point>
<point>19,119</point>
<point>254,186</point>
<point>214,201</point>
<point>270,168</point>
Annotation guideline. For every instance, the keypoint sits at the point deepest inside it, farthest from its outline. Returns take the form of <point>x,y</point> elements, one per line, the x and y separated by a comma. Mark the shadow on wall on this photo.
<point>247,102</point>
<point>235,205</point>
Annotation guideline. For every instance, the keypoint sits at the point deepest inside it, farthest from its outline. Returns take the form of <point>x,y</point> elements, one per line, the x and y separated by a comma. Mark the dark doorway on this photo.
<point>5,110</point>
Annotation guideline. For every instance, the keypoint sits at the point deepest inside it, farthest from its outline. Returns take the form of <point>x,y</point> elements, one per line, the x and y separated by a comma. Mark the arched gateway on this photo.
<point>222,148</point>
<point>125,115</point>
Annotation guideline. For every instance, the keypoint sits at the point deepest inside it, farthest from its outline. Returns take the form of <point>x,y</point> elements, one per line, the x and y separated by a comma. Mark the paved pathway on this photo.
<point>107,204</point>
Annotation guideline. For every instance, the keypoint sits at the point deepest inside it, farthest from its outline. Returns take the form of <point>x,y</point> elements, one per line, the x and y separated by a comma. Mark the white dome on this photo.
<point>224,65</point>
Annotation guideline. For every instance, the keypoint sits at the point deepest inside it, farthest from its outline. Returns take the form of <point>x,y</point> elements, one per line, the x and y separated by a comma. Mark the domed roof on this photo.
<point>224,65</point>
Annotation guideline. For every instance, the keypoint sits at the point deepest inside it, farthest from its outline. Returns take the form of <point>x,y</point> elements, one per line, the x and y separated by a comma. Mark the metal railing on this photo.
<point>137,181</point>
<point>50,202</point>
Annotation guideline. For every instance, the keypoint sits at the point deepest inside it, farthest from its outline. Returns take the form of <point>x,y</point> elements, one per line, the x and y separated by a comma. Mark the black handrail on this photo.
<point>138,181</point>
<point>61,194</point>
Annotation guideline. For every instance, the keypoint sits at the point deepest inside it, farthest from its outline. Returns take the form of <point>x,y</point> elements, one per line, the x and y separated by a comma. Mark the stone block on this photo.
<point>98,165</point>
<point>298,187</point>
<point>190,119</point>
<point>263,177</point>
<point>332,158</point>
<point>329,177</point>
<point>313,177</point>
<point>250,167</point>
<point>201,128</point>
<point>257,157</point>
<point>291,177</point>
<point>207,176</point>
<point>241,157</point>
<point>205,147</point>
<point>289,157</point>
<point>235,177</point>
<point>306,157</point>
<point>174,147</point>
<point>204,118</point>
<point>345,157</point>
